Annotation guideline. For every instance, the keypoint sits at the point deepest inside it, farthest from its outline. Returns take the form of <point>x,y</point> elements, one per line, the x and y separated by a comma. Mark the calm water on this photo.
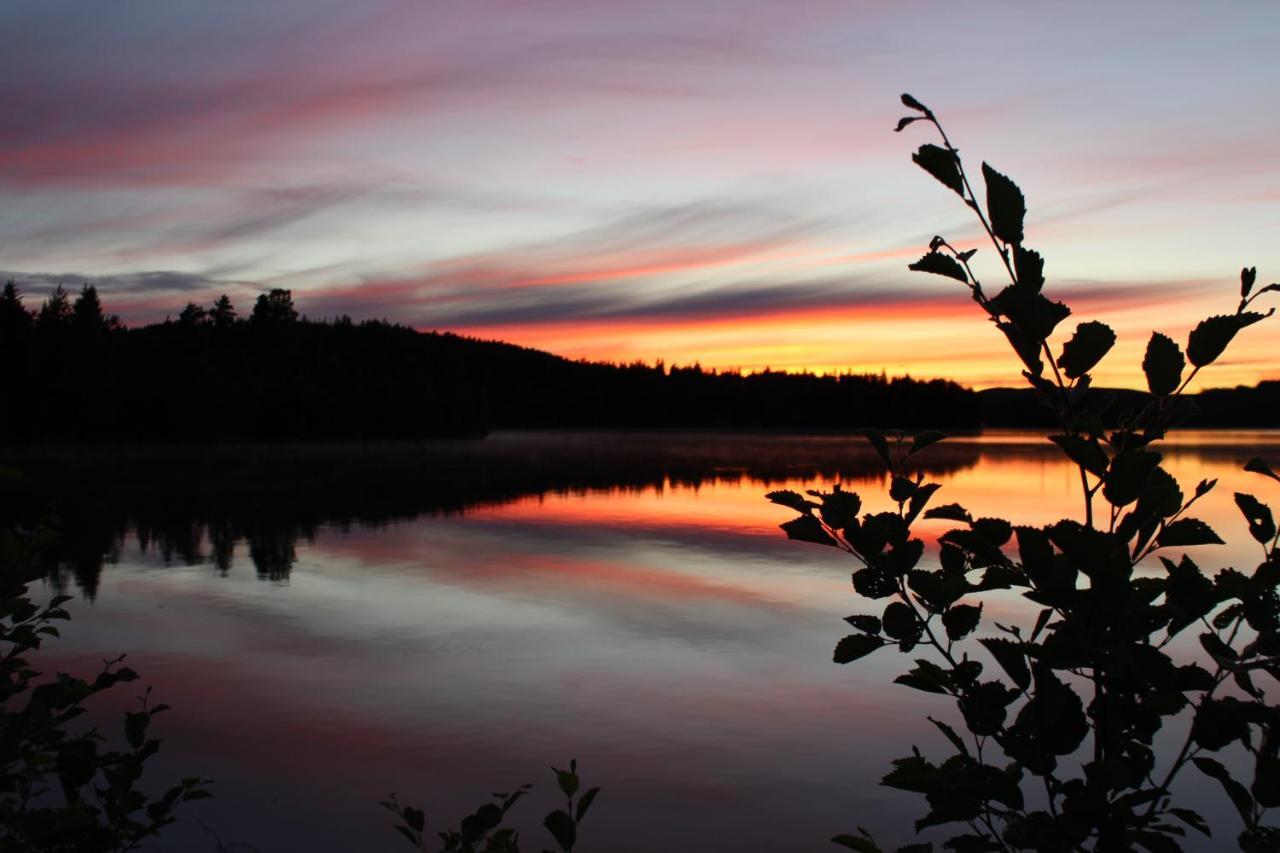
<point>664,633</point>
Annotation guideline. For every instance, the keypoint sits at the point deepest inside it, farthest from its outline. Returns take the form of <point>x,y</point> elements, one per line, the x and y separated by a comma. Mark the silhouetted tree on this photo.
<point>56,312</point>
<point>193,315</point>
<point>274,309</point>
<point>86,313</point>
<point>223,314</point>
<point>14,318</point>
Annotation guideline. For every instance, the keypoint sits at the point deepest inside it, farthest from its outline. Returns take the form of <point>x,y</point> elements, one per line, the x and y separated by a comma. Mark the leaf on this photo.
<point>853,842</point>
<point>1239,796</point>
<point>1087,346</point>
<point>1029,266</point>
<point>942,164</point>
<point>562,828</point>
<point>1262,526</point>
<point>1011,658</point>
<point>961,620</point>
<point>1256,466</point>
<point>939,263</point>
<point>1128,475</point>
<point>903,122</point>
<point>925,439</point>
<point>951,512</point>
<point>567,780</point>
<point>1163,365</point>
<point>1187,531</point>
<point>865,623</point>
<point>806,528</point>
<point>1005,205</point>
<point>951,735</point>
<point>1192,819</point>
<point>911,103</point>
<point>856,646</point>
<point>791,500</point>
<point>1085,452</point>
<point>901,622</point>
<point>585,803</point>
<point>840,508</point>
<point>1248,275</point>
<point>1209,339</point>
<point>880,445</point>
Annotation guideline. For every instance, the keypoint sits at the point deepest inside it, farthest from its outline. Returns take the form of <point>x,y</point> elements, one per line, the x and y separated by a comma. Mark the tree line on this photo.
<point>76,372</point>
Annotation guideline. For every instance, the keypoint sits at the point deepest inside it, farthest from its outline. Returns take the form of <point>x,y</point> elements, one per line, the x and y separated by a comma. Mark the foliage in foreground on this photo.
<point>1060,717</point>
<point>483,832</point>
<point>63,790</point>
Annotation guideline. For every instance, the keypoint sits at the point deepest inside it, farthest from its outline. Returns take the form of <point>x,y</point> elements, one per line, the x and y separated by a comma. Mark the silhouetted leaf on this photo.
<point>919,498</point>
<point>1192,819</point>
<point>984,707</point>
<point>903,122</point>
<point>940,263</point>
<point>1012,659</point>
<point>1262,526</point>
<point>1087,346</point>
<point>791,500</point>
<point>1257,466</point>
<point>853,842</point>
<point>1034,313</point>
<point>874,582</point>
<point>866,623</point>
<point>1187,531</point>
<point>960,620</point>
<point>839,508</point>
<point>911,103</point>
<point>567,780</point>
<point>1248,275</point>
<point>951,735</point>
<point>562,828</point>
<point>1085,452</point>
<point>925,439</point>
<point>901,489</point>
<point>1005,205</point>
<point>1209,339</point>
<point>942,164</point>
<point>1027,349</point>
<point>951,512</point>
<point>806,528</point>
<point>881,446</point>
<point>1128,474</point>
<point>1239,796</point>
<point>855,646</point>
<point>1029,266</point>
<point>1163,365</point>
<point>901,623</point>
<point>585,803</point>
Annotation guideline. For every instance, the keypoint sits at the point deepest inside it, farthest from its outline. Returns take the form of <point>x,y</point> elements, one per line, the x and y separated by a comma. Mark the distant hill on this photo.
<point>1242,406</point>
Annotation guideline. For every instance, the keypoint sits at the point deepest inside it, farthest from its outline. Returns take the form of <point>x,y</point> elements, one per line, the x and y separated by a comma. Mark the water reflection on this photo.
<point>636,608</point>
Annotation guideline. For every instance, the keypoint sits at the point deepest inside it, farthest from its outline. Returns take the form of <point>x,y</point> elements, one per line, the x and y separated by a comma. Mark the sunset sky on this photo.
<point>669,179</point>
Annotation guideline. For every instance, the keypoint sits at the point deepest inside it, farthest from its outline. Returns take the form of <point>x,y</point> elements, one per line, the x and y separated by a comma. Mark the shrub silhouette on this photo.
<point>1062,715</point>
<point>62,789</point>
<point>483,832</point>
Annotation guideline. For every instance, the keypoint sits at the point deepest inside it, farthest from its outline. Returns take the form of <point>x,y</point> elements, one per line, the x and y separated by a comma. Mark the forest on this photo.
<point>212,374</point>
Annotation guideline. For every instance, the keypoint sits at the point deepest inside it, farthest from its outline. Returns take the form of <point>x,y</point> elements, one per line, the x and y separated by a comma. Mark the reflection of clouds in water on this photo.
<point>670,636</point>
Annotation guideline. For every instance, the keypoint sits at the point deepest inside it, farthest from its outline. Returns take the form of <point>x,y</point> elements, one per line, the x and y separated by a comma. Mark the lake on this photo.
<point>627,600</point>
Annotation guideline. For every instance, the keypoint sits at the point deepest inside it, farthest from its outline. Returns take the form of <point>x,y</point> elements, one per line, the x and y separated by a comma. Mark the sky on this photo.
<point>712,182</point>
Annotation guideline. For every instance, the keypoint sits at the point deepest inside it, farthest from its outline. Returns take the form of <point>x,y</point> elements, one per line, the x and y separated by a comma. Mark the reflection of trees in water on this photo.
<point>202,508</point>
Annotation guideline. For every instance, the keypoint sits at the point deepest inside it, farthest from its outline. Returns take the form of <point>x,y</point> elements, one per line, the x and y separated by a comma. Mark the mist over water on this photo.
<point>659,628</point>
